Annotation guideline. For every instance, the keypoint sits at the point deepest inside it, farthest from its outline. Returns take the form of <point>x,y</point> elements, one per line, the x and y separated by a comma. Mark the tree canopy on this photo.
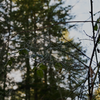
<point>34,40</point>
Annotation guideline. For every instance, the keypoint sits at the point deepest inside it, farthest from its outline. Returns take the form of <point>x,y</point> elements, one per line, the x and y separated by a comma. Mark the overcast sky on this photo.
<point>82,11</point>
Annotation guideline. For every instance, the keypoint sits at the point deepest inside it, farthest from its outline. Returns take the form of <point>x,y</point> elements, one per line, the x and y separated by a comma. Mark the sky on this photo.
<point>82,10</point>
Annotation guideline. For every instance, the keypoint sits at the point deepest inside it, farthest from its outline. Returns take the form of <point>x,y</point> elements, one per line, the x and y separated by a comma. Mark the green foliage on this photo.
<point>40,55</point>
<point>96,24</point>
<point>11,61</point>
<point>95,27</point>
<point>40,73</point>
<point>23,51</point>
<point>42,66</point>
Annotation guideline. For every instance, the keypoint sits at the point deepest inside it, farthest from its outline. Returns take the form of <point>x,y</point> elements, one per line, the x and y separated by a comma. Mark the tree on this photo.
<point>37,35</point>
<point>5,59</point>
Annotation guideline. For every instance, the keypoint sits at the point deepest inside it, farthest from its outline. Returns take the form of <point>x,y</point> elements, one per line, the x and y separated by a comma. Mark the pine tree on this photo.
<point>36,37</point>
<point>27,37</point>
<point>5,59</point>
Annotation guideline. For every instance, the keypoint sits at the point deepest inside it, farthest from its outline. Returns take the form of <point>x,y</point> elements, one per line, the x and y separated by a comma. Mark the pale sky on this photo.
<point>81,9</point>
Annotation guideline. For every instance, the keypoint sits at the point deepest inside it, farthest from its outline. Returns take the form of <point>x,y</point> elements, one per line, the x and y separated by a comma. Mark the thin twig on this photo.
<point>87,34</point>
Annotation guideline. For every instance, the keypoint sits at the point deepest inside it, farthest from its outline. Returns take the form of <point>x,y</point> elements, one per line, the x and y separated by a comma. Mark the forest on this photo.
<point>38,58</point>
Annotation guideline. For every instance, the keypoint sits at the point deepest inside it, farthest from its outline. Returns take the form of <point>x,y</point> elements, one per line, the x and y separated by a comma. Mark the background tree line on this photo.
<point>33,43</point>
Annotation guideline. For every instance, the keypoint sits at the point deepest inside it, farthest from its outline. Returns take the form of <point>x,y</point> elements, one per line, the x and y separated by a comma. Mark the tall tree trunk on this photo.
<point>28,80</point>
<point>28,70</point>
<point>45,71</point>
<point>35,63</point>
<point>4,84</point>
<point>7,44</point>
